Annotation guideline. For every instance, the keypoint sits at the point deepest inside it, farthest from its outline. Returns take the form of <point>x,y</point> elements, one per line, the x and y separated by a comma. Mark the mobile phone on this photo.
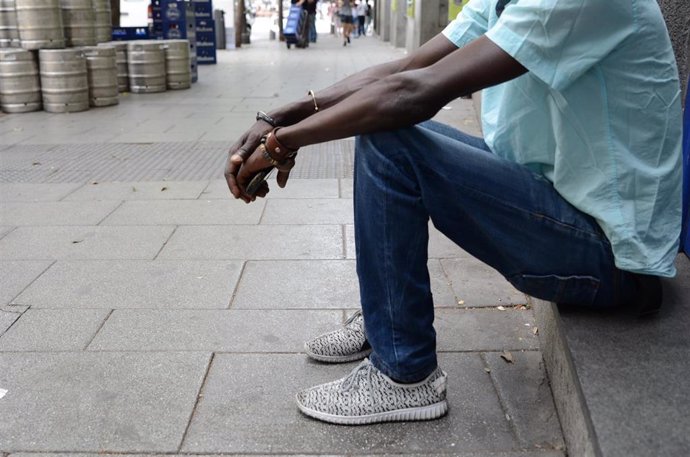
<point>258,179</point>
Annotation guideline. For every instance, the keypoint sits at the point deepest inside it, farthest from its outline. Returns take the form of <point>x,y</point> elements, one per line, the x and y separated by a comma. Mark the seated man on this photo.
<point>573,194</point>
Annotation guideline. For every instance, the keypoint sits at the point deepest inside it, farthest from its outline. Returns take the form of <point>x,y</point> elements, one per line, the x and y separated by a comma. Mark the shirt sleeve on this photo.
<point>471,23</point>
<point>559,40</point>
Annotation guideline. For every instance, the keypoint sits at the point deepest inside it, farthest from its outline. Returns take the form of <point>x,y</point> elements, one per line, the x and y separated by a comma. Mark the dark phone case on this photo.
<point>256,181</point>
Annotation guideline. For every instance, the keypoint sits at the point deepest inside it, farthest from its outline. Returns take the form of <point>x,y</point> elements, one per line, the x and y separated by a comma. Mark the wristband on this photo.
<point>261,116</point>
<point>275,149</point>
<point>268,158</point>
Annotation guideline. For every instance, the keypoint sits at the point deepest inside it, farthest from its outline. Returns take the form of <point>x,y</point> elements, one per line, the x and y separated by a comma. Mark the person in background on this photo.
<point>355,30</point>
<point>334,13</point>
<point>346,20</point>
<point>361,18</point>
<point>310,7</point>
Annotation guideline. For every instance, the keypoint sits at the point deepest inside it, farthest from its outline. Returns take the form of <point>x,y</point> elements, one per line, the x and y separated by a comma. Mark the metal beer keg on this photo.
<point>104,22</point>
<point>178,64</point>
<point>146,64</point>
<point>79,17</point>
<point>121,60</point>
<point>20,87</point>
<point>101,69</point>
<point>40,24</point>
<point>64,81</point>
<point>9,34</point>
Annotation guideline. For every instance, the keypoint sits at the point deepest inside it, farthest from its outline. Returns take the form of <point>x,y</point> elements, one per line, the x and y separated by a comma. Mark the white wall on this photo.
<point>229,8</point>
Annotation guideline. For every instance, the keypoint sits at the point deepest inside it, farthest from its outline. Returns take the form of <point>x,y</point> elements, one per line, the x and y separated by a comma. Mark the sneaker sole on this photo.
<point>337,358</point>
<point>421,413</point>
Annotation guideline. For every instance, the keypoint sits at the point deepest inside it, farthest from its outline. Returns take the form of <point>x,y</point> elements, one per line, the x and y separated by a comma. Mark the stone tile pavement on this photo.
<point>151,314</point>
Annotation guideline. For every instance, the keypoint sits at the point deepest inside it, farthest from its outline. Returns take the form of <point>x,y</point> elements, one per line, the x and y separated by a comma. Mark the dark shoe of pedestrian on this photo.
<point>346,344</point>
<point>367,396</point>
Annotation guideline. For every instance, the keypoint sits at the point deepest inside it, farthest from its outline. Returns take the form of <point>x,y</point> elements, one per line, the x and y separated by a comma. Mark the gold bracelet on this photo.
<point>313,97</point>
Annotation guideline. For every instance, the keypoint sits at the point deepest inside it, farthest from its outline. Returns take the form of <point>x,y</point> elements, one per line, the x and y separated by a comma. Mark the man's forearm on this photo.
<point>428,54</point>
<point>407,98</point>
<point>301,109</point>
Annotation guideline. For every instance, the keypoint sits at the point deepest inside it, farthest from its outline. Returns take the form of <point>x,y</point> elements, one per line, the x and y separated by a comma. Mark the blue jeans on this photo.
<point>500,212</point>
<point>311,18</point>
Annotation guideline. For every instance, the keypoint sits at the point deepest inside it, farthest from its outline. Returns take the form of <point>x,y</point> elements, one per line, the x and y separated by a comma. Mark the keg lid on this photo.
<point>139,45</point>
<point>99,51</point>
<point>14,54</point>
<point>119,45</point>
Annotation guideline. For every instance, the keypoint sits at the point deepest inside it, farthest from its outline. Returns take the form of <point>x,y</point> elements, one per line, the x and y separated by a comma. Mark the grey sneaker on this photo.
<point>367,396</point>
<point>346,344</point>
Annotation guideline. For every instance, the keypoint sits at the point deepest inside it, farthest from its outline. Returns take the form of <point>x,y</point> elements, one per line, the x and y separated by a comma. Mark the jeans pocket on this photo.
<point>571,290</point>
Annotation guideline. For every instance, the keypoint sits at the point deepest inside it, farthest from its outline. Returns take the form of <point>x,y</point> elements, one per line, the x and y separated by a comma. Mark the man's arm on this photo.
<point>431,52</point>
<point>407,97</point>
<point>428,54</point>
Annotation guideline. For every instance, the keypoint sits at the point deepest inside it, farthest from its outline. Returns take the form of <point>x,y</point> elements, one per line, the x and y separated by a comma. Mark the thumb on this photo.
<point>282,178</point>
<point>284,172</point>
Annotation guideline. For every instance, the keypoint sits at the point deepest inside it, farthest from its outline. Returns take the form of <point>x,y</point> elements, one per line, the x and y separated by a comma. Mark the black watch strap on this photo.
<point>261,116</point>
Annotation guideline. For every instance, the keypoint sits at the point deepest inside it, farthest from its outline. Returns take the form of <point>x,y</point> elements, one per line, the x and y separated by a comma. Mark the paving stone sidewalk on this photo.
<point>142,311</point>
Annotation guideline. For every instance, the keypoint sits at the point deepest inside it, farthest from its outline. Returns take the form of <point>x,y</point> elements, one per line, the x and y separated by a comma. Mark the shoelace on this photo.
<point>352,318</point>
<point>349,381</point>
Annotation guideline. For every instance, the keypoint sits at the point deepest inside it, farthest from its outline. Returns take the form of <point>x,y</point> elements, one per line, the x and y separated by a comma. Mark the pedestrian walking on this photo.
<point>346,21</point>
<point>334,13</point>
<point>310,7</point>
<point>573,194</point>
<point>369,26</point>
<point>361,18</point>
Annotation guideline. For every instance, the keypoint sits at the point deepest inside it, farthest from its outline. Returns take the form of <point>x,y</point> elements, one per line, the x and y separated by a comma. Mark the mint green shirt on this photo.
<point>598,113</point>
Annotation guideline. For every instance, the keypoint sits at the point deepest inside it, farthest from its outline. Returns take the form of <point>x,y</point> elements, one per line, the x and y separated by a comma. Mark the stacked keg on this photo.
<point>20,88</point>
<point>92,70</point>
<point>40,24</point>
<point>121,62</point>
<point>79,20</point>
<point>146,65</point>
<point>101,67</point>
<point>178,64</point>
<point>9,34</point>
<point>64,80</point>
<point>103,24</point>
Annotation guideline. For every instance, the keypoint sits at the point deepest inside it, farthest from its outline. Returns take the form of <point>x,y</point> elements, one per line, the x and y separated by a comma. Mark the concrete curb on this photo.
<point>578,430</point>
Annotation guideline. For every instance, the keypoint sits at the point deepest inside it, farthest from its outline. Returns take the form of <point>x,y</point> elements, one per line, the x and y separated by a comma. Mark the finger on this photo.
<point>284,173</point>
<point>243,153</point>
<point>282,178</point>
<point>233,166</point>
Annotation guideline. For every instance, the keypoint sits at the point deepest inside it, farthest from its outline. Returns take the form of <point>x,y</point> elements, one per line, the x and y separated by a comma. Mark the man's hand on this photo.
<point>239,152</point>
<point>242,167</point>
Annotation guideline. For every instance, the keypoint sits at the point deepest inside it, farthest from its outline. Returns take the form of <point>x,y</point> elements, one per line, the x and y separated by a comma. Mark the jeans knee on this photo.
<point>382,146</point>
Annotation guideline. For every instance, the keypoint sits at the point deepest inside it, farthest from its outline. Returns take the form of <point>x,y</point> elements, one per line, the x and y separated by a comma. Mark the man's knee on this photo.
<point>389,144</point>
